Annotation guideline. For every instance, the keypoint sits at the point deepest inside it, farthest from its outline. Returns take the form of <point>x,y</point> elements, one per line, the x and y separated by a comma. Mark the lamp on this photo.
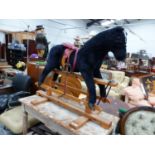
<point>107,22</point>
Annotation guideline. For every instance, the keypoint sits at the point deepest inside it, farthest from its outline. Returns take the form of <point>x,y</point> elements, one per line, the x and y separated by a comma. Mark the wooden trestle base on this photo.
<point>75,105</point>
<point>66,96</point>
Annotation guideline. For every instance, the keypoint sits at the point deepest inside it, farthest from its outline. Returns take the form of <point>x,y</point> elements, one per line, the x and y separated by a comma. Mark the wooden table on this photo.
<point>57,118</point>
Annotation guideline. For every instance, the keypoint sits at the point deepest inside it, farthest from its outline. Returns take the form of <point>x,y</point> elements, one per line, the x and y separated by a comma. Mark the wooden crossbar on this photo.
<point>39,101</point>
<point>78,123</point>
<point>46,87</point>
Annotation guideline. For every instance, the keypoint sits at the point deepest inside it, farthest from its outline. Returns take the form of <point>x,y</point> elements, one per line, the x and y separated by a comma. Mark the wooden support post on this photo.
<point>49,91</point>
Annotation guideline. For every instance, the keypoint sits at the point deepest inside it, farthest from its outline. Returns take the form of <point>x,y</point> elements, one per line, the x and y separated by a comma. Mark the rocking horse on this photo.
<point>87,60</point>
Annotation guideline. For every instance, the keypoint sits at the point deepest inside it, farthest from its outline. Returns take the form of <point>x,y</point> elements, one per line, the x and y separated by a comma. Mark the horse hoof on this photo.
<point>106,100</point>
<point>91,106</point>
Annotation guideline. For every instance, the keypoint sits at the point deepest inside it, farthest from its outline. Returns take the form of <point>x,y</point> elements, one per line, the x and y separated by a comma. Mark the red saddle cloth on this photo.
<point>69,49</point>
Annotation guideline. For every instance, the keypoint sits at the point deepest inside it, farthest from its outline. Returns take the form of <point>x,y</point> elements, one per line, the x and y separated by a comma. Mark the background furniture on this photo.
<point>4,65</point>
<point>21,86</point>
<point>138,121</point>
<point>2,52</point>
<point>6,87</point>
<point>26,38</point>
<point>135,95</point>
<point>15,55</point>
<point>31,46</point>
<point>13,120</point>
<point>34,71</point>
<point>120,78</point>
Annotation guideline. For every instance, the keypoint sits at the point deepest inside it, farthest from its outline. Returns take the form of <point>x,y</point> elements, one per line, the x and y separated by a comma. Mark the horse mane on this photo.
<point>119,38</point>
<point>111,38</point>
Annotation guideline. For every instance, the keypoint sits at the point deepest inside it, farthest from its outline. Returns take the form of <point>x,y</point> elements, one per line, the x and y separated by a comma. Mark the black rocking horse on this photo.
<point>88,59</point>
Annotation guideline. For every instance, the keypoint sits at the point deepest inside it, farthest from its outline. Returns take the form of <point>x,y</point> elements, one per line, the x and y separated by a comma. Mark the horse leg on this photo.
<point>102,88</point>
<point>55,76</point>
<point>48,68</point>
<point>88,78</point>
<point>97,74</point>
<point>53,62</point>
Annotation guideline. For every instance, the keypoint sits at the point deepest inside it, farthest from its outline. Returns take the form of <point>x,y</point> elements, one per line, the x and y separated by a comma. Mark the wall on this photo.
<point>145,31</point>
<point>58,31</point>
<point>2,37</point>
<point>64,30</point>
<point>141,35</point>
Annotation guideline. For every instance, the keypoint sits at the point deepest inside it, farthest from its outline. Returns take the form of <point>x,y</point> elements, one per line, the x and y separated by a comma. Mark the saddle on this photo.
<point>68,51</point>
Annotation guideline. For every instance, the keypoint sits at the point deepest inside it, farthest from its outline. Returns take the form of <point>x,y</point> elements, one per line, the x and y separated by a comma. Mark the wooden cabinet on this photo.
<point>15,55</point>
<point>26,38</point>
<point>20,36</point>
<point>34,71</point>
<point>2,52</point>
<point>31,46</point>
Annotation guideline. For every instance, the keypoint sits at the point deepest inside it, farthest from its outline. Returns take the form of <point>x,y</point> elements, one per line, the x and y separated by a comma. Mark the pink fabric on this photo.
<point>67,53</point>
<point>136,82</point>
<point>134,93</point>
<point>140,103</point>
<point>70,46</point>
<point>69,50</point>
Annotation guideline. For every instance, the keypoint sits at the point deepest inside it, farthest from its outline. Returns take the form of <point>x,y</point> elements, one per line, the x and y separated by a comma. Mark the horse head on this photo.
<point>119,43</point>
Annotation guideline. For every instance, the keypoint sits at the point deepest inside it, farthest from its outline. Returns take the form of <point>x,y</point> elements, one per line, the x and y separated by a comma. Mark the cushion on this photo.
<point>140,123</point>
<point>114,94</point>
<point>118,76</point>
<point>106,75</point>
<point>13,120</point>
<point>140,103</point>
<point>134,93</point>
<point>136,82</point>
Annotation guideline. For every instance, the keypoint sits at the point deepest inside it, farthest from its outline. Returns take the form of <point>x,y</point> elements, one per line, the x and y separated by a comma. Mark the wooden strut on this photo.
<point>39,101</point>
<point>91,116</point>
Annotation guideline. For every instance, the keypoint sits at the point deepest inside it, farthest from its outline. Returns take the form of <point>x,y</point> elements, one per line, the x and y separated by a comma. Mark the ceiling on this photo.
<point>107,23</point>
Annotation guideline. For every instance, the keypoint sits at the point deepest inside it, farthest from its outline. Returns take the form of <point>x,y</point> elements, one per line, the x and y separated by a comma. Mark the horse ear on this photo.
<point>119,29</point>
